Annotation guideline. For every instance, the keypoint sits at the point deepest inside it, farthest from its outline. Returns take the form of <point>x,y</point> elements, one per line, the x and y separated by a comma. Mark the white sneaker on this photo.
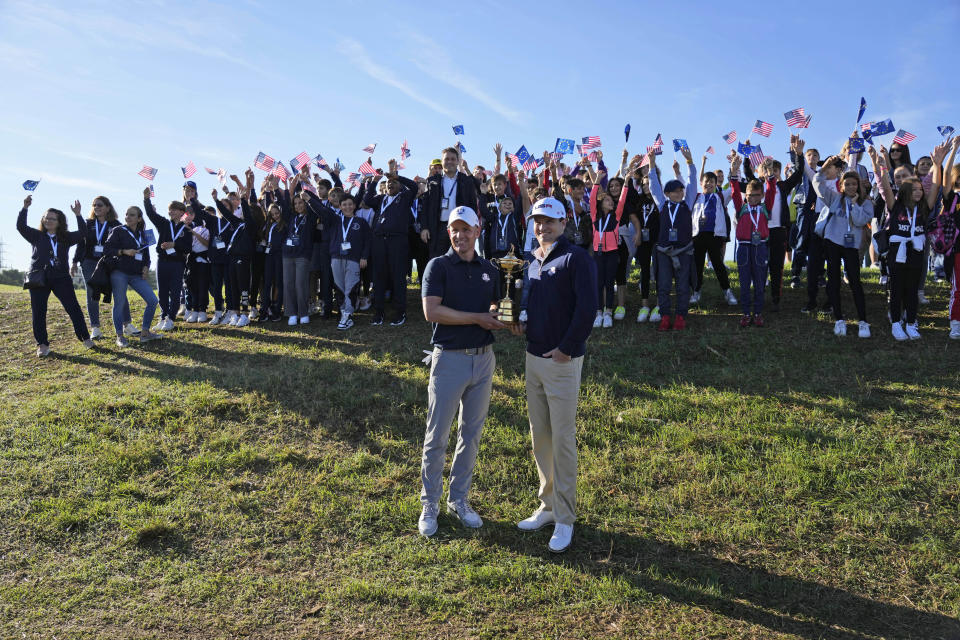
<point>182,311</point>
<point>598,321</point>
<point>95,333</point>
<point>883,281</point>
<point>863,331</point>
<point>130,330</point>
<point>523,316</point>
<point>201,316</point>
<point>161,326</point>
<point>898,333</point>
<point>731,299</point>
<point>254,314</point>
<point>292,321</point>
<point>695,297</point>
<point>464,513</point>
<point>607,320</point>
<point>655,315</point>
<point>840,328</point>
<point>428,516</point>
<point>540,518</point>
<point>217,318</point>
<point>243,320</point>
<point>619,313</point>
<point>304,319</point>
<point>231,318</point>
<point>191,317</point>
<point>644,314</point>
<point>912,331</point>
<point>561,538</point>
<point>921,298</point>
<point>955,329</point>
<point>169,324</point>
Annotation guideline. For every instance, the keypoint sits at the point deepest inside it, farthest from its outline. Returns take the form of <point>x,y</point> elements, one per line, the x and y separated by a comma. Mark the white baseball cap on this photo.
<point>550,207</point>
<point>465,214</point>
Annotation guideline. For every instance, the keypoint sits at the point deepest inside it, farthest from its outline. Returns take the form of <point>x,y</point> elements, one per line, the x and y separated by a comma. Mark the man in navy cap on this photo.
<point>560,313</point>
<point>460,292</point>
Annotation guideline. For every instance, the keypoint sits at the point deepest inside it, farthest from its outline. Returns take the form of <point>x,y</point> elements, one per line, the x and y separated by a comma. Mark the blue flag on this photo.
<point>523,155</point>
<point>458,129</point>
<point>946,131</point>
<point>856,145</point>
<point>564,146</point>
<point>881,128</point>
<point>626,133</point>
<point>339,166</point>
<point>31,185</point>
<point>863,107</point>
<point>744,149</point>
<point>460,146</point>
<point>868,136</point>
<point>679,143</point>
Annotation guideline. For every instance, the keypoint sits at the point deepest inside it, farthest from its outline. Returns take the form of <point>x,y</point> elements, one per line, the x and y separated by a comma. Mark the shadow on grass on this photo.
<point>750,594</point>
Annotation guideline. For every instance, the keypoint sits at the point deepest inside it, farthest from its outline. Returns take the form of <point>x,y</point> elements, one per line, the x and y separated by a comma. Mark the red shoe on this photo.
<point>758,320</point>
<point>664,324</point>
<point>680,323</point>
<point>744,322</point>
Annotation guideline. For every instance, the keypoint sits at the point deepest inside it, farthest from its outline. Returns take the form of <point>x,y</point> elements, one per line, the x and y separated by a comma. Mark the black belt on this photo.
<point>476,351</point>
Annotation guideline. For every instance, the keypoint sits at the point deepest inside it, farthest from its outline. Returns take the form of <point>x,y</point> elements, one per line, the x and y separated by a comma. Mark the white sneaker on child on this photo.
<point>731,299</point>
<point>607,320</point>
<point>217,318</point>
<point>655,315</point>
<point>523,316</point>
<point>840,328</point>
<point>598,321</point>
<point>201,316</point>
<point>292,321</point>
<point>896,329</point>
<point>955,329</point>
<point>191,317</point>
<point>863,329</point>
<point>644,314</point>
<point>912,332</point>
<point>243,320</point>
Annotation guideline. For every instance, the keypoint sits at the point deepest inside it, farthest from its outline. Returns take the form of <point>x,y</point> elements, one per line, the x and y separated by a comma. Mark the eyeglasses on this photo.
<point>98,205</point>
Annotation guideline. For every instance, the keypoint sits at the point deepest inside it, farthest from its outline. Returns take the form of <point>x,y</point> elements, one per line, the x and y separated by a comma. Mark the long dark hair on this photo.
<point>281,223</point>
<point>140,225</point>
<point>111,212</point>
<point>861,192</point>
<point>904,157</point>
<point>61,223</point>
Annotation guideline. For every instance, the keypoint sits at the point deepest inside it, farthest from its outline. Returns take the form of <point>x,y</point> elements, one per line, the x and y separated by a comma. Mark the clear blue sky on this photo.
<point>95,91</point>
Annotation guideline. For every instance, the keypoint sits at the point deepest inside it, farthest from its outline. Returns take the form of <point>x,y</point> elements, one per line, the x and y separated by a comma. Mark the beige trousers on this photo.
<point>552,392</point>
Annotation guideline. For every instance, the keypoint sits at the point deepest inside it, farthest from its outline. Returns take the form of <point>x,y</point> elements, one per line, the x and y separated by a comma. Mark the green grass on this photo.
<point>774,483</point>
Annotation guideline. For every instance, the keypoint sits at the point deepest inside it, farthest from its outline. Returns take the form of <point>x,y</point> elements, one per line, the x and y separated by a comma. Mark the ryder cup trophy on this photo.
<point>512,266</point>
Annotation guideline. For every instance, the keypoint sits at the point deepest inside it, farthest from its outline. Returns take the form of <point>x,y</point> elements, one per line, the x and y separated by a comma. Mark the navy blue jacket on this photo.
<point>120,239</point>
<point>513,234</point>
<point>216,226</point>
<point>43,250</point>
<point>395,220</point>
<point>86,246</point>
<point>358,235</point>
<point>181,246</point>
<point>563,300</point>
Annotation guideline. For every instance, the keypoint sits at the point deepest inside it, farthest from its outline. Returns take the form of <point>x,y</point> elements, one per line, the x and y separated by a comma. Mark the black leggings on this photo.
<point>240,282</point>
<point>624,264</point>
<point>62,288</point>
<point>904,283</point>
<point>705,244</point>
<point>198,282</point>
<point>851,260</point>
<point>257,263</point>
<point>644,255</point>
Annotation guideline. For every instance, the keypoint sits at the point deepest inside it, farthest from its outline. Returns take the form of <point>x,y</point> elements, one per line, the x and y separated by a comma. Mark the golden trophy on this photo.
<point>509,264</point>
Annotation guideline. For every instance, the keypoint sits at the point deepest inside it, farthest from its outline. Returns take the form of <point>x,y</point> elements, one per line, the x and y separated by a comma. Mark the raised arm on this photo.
<point>691,188</point>
<point>880,171</point>
<point>656,191</point>
<point>937,155</point>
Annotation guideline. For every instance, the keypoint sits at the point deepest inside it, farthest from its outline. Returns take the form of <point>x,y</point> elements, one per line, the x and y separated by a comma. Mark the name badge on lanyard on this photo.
<point>848,237</point>
<point>294,239</point>
<point>217,240</point>
<point>173,238</point>
<point>755,238</point>
<point>54,245</point>
<point>502,238</point>
<point>345,244</point>
<point>98,248</point>
<point>445,201</point>
<point>138,256</point>
<point>672,235</point>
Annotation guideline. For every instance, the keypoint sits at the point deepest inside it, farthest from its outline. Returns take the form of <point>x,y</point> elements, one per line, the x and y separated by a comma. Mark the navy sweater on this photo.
<point>358,235</point>
<point>121,239</point>
<point>43,249</point>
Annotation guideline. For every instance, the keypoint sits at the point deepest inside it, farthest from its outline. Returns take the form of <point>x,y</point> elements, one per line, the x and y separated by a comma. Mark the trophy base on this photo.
<point>507,313</point>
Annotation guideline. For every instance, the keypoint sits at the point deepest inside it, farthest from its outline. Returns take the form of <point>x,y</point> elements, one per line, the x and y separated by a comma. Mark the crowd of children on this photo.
<point>307,245</point>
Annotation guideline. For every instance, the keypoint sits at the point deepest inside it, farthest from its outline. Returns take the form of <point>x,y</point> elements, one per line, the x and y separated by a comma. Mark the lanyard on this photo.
<point>135,238</point>
<point>346,228</point>
<point>503,225</point>
<point>297,223</point>
<point>648,211</point>
<point>387,201</point>
<point>755,220</point>
<point>849,208</point>
<point>100,230</point>
<point>452,188</point>
<point>235,234</point>
<point>673,213</point>
<point>54,245</point>
<point>913,221</point>
<point>173,238</point>
<point>270,233</point>
<point>220,226</point>
<point>605,223</point>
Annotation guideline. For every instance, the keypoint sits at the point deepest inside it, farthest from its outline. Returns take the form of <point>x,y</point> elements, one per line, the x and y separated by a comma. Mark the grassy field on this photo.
<point>263,483</point>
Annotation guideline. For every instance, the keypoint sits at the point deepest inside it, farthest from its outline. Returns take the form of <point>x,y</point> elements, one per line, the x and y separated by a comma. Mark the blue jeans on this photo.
<point>93,299</point>
<point>120,281</point>
<point>752,269</point>
<point>667,275</point>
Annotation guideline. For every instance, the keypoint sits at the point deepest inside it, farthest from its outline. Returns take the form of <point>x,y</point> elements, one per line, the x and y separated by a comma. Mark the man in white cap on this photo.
<point>560,312</point>
<point>460,293</point>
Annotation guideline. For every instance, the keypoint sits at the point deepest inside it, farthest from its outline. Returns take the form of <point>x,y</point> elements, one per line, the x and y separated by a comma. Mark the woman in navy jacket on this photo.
<point>51,253</point>
<point>128,244</point>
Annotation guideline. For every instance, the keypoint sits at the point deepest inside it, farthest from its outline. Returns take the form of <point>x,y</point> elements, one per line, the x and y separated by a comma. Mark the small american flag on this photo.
<point>904,137</point>
<point>210,171</point>
<point>188,170</point>
<point>264,162</point>
<point>710,150</point>
<point>370,147</point>
<point>367,169</point>
<point>762,128</point>
<point>404,150</point>
<point>658,144</point>
<point>556,157</point>
<point>400,165</point>
<point>153,194</point>
<point>353,177</point>
<point>222,177</point>
<point>593,157</point>
<point>280,171</point>
<point>806,123</point>
<point>644,161</point>
<point>757,157</point>
<point>512,159</point>
<point>300,161</point>
<point>487,173</point>
<point>865,127</point>
<point>530,164</point>
<point>591,142</point>
<point>794,117</point>
<point>320,162</point>
<point>730,138</point>
<point>147,172</point>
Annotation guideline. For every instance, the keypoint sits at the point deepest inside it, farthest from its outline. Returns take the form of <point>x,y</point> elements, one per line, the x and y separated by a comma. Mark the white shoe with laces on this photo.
<point>655,315</point>
<point>428,517</point>
<point>243,320</point>
<point>217,318</point>
<point>304,319</point>
<point>254,314</point>
<point>607,320</point>
<point>644,314</point>
<point>561,538</point>
<point>863,329</point>
<point>292,321</point>
<point>955,329</point>
<point>231,318</point>
<point>191,317</point>
<point>840,328</point>
<point>598,321</point>
<point>730,298</point>
<point>95,333</point>
<point>201,316</point>
<point>462,510</point>
<point>912,332</point>
<point>896,329</point>
<point>130,330</point>
<point>540,518</point>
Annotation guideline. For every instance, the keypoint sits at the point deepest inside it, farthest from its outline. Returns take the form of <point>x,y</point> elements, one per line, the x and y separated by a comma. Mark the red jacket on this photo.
<point>745,227</point>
